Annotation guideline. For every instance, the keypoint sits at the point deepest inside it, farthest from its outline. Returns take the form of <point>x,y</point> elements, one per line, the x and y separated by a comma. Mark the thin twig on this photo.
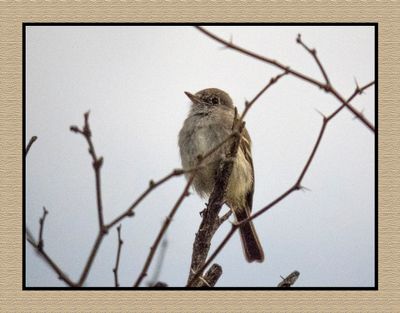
<point>28,147</point>
<point>313,52</point>
<point>224,217</point>
<point>152,185</point>
<point>97,162</point>
<point>103,229</point>
<point>271,82</point>
<point>91,258</point>
<point>129,212</point>
<point>41,223</point>
<point>311,157</point>
<point>163,229</point>
<point>115,269</point>
<point>39,246</point>
<point>61,275</point>
<point>324,86</point>
<point>357,91</point>
<point>289,280</point>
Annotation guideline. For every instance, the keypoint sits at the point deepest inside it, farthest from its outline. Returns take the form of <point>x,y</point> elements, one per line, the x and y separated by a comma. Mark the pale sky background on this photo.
<point>133,79</point>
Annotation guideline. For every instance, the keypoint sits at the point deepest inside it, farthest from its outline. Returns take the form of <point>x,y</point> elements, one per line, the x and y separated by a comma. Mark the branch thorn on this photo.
<point>320,113</point>
<point>358,89</point>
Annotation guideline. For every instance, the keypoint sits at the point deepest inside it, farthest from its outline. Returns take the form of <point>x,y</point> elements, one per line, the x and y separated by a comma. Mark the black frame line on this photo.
<point>26,24</point>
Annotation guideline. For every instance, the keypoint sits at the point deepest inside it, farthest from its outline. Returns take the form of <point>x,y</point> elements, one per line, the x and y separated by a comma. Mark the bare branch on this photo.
<point>295,73</point>
<point>271,82</point>
<point>311,157</point>
<point>224,217</point>
<point>152,185</point>
<point>91,258</point>
<point>313,52</point>
<point>211,220</point>
<point>115,269</point>
<point>28,147</point>
<point>357,91</point>
<point>41,223</point>
<point>39,248</point>
<point>86,132</point>
<point>97,162</point>
<point>163,229</point>
<point>52,264</point>
<point>289,280</point>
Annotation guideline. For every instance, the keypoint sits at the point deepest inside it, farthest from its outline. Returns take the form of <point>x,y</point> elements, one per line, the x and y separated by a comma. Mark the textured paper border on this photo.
<point>13,13</point>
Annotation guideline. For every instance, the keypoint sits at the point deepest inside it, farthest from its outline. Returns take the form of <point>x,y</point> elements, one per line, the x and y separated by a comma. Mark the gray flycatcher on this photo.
<point>209,122</point>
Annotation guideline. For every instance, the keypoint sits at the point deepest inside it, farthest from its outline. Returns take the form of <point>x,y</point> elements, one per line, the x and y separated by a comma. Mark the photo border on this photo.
<point>25,25</point>
<point>14,13</point>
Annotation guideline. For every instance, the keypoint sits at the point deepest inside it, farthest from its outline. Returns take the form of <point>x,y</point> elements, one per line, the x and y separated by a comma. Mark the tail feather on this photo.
<point>251,244</point>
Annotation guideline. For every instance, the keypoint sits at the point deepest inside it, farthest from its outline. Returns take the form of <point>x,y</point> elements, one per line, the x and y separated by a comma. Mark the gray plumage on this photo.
<point>210,122</point>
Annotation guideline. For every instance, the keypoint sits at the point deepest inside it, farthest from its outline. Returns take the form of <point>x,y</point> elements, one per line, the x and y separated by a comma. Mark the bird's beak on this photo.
<point>193,98</point>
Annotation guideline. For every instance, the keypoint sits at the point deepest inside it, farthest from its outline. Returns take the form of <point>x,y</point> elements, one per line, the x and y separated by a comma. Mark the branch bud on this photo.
<point>74,129</point>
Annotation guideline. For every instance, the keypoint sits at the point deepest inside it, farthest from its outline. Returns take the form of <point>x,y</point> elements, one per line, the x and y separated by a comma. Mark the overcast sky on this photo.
<point>133,79</point>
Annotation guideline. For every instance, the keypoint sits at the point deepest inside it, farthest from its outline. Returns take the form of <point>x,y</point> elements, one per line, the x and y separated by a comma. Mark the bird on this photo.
<point>208,123</point>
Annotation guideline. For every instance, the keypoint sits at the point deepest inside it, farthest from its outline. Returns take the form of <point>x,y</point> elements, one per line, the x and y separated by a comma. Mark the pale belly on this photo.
<point>199,144</point>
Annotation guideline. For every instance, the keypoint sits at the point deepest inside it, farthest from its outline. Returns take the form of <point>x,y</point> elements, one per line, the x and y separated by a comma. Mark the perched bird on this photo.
<point>209,122</point>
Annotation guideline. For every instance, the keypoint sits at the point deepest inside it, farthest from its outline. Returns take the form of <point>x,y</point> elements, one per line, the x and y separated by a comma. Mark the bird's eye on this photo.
<point>214,100</point>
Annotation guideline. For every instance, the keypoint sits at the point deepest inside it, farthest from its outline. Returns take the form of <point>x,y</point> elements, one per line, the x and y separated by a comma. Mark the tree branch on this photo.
<point>152,185</point>
<point>115,269</point>
<point>313,52</point>
<point>357,91</point>
<point>271,82</point>
<point>210,217</point>
<point>41,223</point>
<point>104,228</point>
<point>39,248</point>
<point>163,229</point>
<point>91,258</point>
<point>327,87</point>
<point>28,147</point>
<point>96,162</point>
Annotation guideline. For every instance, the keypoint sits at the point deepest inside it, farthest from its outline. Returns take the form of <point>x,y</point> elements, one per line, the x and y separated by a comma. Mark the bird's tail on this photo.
<point>251,244</point>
